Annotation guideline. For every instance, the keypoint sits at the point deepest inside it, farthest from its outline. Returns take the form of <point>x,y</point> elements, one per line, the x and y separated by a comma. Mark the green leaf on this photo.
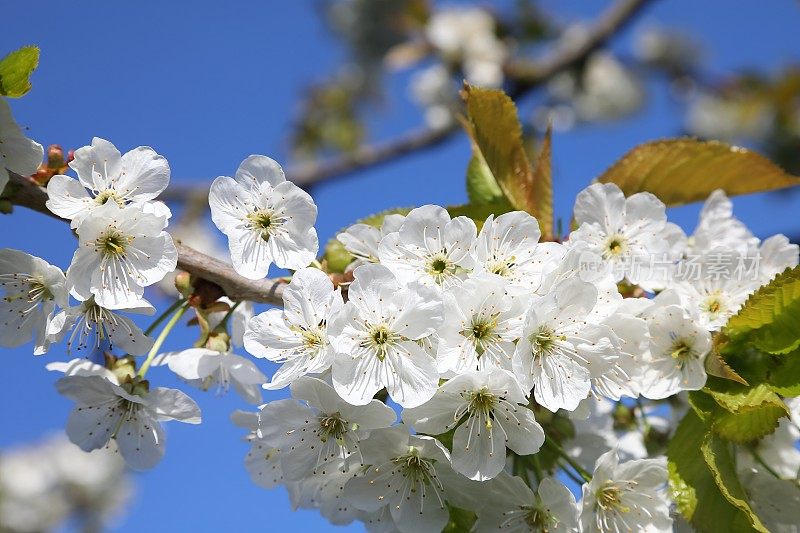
<point>681,171</point>
<point>716,366</point>
<point>16,69</point>
<point>482,188</point>
<point>719,459</point>
<point>748,413</point>
<point>694,487</point>
<point>460,520</point>
<point>770,318</point>
<point>496,137</point>
<point>337,258</point>
<point>784,378</point>
<point>480,212</point>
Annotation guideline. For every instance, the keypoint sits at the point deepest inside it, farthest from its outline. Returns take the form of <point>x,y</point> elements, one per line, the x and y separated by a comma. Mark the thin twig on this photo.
<point>25,193</point>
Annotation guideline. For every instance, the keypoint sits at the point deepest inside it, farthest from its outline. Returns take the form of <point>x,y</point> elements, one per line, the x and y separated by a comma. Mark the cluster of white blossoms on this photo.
<point>453,363</point>
<point>473,335</point>
<point>50,482</point>
<point>468,38</point>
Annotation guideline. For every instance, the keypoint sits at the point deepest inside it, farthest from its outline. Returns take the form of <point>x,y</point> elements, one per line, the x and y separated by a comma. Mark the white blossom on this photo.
<point>710,287</point>
<point>404,475</point>
<point>18,153</point>
<point>560,352</point>
<point>362,240</point>
<point>321,434</point>
<point>481,324</point>
<point>624,378</point>
<point>121,250</point>
<point>625,232</point>
<point>104,175</point>
<point>626,497</point>
<point>297,336</point>
<point>718,228</point>
<point>266,218</point>
<point>325,492</point>
<point>489,411</point>
<point>82,367</point>
<point>467,36</point>
<point>430,248</point>
<point>600,425</point>
<point>52,483</point>
<point>374,339</point>
<point>508,504</point>
<point>91,325</point>
<point>678,347</point>
<point>129,414</point>
<point>509,247</point>
<point>31,289</point>
<point>238,319</point>
<point>608,89</point>
<point>208,369</point>
<point>776,254</point>
<point>262,461</point>
<point>435,90</point>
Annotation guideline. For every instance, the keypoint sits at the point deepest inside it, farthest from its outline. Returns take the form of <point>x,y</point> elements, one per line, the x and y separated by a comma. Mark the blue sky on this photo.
<point>208,83</point>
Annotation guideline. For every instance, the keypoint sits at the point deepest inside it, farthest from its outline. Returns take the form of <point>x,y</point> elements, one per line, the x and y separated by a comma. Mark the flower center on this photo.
<point>38,291</point>
<point>544,339</point>
<point>440,267</point>
<point>380,339</point>
<point>481,332</point>
<point>416,469</point>
<point>332,426</point>
<point>682,351</point>
<point>313,339</point>
<point>265,222</point>
<point>109,194</point>
<point>538,519</point>
<point>713,304</point>
<point>609,498</point>
<point>113,242</point>
<point>615,246</point>
<point>501,267</point>
<point>481,404</point>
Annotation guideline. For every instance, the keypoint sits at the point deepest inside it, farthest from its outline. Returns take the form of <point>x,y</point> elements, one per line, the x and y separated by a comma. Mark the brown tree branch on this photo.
<point>24,192</point>
<point>526,75</point>
<point>530,74</point>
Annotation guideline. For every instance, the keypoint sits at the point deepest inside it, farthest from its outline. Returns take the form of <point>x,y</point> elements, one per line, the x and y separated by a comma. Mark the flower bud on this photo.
<point>183,284</point>
<point>218,341</point>
<point>124,367</point>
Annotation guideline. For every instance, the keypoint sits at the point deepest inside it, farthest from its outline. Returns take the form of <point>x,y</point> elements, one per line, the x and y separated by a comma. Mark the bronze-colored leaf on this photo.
<point>681,171</point>
<point>542,193</point>
<point>495,131</point>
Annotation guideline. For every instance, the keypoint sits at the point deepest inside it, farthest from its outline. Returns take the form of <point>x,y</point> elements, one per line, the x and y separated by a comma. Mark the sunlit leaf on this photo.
<point>16,69</point>
<point>681,171</point>
<point>542,194</point>
<point>747,413</point>
<point>784,377</point>
<point>482,188</point>
<point>719,459</point>
<point>770,318</point>
<point>480,212</point>
<point>716,366</point>
<point>695,489</point>
<point>337,258</point>
<point>499,167</point>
